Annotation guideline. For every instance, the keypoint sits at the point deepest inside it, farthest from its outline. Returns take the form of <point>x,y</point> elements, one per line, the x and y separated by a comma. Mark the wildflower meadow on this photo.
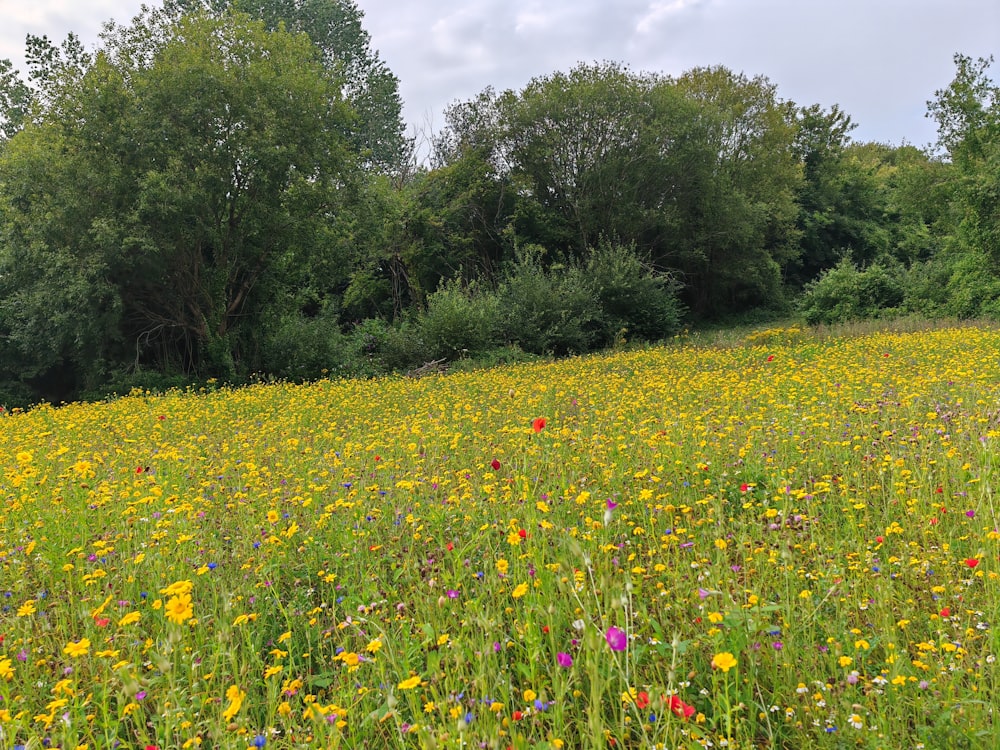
<point>790,541</point>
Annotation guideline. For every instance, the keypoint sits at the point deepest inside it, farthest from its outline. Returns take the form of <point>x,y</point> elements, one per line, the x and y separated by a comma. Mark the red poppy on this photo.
<point>517,716</point>
<point>538,424</point>
<point>495,464</point>
<point>879,539</point>
<point>101,622</point>
<point>972,562</point>
<point>642,699</point>
<point>770,358</point>
<point>945,612</point>
<point>449,546</point>
<point>545,629</point>
<point>522,533</point>
<point>679,707</point>
<point>744,487</point>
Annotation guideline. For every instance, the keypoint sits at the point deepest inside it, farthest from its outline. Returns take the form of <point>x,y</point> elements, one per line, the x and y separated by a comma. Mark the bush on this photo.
<point>404,348</point>
<point>460,321</point>
<point>973,288</point>
<point>125,382</point>
<point>16,394</point>
<point>498,357</point>
<point>632,297</point>
<point>378,348</point>
<point>963,285</point>
<point>547,311</point>
<point>299,347</point>
<point>846,293</point>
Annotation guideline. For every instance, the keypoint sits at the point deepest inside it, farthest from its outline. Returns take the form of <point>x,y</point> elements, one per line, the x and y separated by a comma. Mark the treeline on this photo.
<point>224,189</point>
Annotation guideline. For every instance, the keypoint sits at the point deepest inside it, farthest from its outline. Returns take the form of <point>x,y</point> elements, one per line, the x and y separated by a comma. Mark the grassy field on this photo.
<point>789,541</point>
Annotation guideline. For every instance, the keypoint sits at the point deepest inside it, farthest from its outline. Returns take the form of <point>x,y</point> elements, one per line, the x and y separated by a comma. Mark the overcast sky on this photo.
<point>880,60</point>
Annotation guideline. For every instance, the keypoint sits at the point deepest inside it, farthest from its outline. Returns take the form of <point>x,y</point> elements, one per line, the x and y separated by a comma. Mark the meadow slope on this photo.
<point>790,542</point>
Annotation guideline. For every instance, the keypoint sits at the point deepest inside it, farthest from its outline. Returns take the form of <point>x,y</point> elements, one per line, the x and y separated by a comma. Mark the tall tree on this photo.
<point>163,186</point>
<point>820,141</point>
<point>740,223</point>
<point>336,28</point>
<point>15,98</point>
<point>698,173</point>
<point>967,113</point>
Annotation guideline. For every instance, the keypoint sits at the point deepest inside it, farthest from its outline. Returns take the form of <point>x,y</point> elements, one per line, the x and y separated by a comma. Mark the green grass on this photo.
<point>793,534</point>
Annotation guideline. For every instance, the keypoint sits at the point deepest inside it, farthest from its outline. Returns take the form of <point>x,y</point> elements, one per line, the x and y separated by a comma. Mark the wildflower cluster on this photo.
<point>773,544</point>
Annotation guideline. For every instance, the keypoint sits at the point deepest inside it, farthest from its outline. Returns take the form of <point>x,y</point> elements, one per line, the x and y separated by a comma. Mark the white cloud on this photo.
<point>880,61</point>
<point>662,11</point>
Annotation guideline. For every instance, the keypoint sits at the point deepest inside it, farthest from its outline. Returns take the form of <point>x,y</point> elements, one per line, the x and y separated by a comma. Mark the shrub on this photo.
<point>973,288</point>
<point>461,320</point>
<point>845,293</point>
<point>632,296</point>
<point>404,348</point>
<point>547,311</point>
<point>498,357</point>
<point>377,348</point>
<point>299,347</point>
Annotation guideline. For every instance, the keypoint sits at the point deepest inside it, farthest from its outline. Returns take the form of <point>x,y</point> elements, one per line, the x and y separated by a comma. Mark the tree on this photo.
<point>968,117</point>
<point>15,98</point>
<point>601,153</point>
<point>740,223</point>
<point>698,174</point>
<point>163,186</point>
<point>967,112</point>
<point>335,27</point>
<point>820,141</point>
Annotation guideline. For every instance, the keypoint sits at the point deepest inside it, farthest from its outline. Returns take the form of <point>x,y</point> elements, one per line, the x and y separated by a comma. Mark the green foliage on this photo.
<point>16,394</point>
<point>547,310</point>
<point>557,308</point>
<point>968,117</point>
<point>458,220</point>
<point>461,321</point>
<point>126,382</point>
<point>378,347</point>
<point>739,219</point>
<point>698,173</point>
<point>300,347</point>
<point>15,98</point>
<point>840,204</point>
<point>403,348</point>
<point>223,188</point>
<point>161,189</point>
<point>500,356</point>
<point>59,310</point>
<point>368,294</point>
<point>634,299</point>
<point>963,285</point>
<point>344,47</point>
<point>846,292</point>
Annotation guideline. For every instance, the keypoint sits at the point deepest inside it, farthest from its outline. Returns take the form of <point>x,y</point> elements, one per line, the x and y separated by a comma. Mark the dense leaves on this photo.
<point>223,189</point>
<point>158,212</point>
<point>335,28</point>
